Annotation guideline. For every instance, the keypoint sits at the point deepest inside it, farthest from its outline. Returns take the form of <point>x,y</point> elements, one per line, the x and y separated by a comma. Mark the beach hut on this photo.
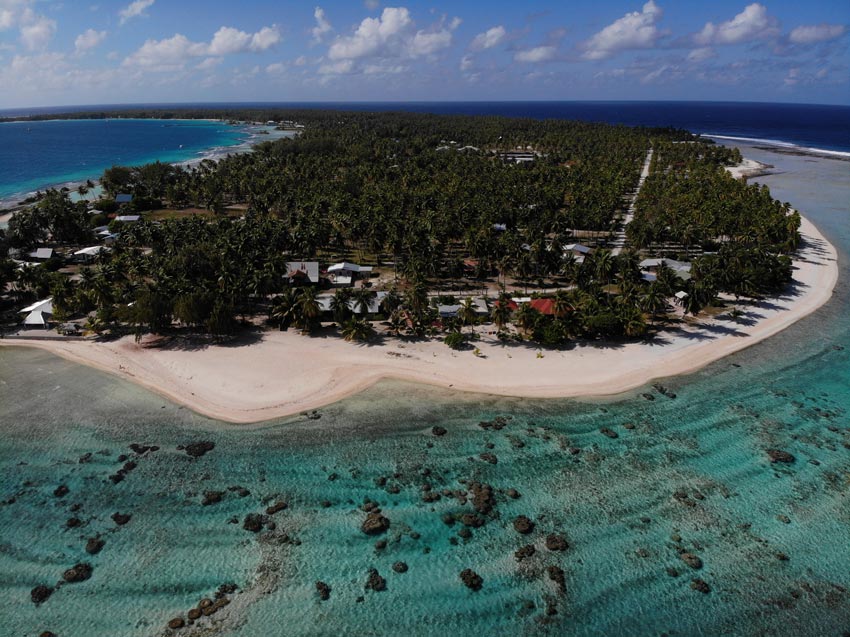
<point>41,254</point>
<point>88,254</point>
<point>302,272</point>
<point>39,313</point>
<point>345,273</point>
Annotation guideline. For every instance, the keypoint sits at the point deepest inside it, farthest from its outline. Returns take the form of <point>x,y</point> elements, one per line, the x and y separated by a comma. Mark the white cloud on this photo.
<point>36,30</point>
<point>371,4</point>
<point>276,68</point>
<point>173,53</point>
<point>228,40</point>
<point>392,35</point>
<point>701,54</point>
<point>753,23</point>
<point>490,38</point>
<point>301,60</point>
<point>817,33</point>
<point>373,35</point>
<point>323,27</point>
<point>209,63</point>
<point>537,54</point>
<point>636,30</point>
<point>134,10</point>
<point>466,63</point>
<point>88,40</point>
<point>7,19</point>
<point>337,68</point>
<point>265,38</point>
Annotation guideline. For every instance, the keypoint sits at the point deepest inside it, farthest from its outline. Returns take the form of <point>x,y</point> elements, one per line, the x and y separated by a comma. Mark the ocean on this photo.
<point>37,155</point>
<point>688,474</point>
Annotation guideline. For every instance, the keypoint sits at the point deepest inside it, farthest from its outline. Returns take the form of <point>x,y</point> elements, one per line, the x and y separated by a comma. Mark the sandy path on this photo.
<point>285,373</point>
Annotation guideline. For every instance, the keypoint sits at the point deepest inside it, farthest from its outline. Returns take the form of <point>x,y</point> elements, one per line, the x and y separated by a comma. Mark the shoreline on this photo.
<point>15,202</point>
<point>285,374</point>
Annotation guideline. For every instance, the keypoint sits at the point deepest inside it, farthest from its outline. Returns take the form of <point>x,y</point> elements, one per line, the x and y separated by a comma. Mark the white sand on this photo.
<point>749,168</point>
<point>286,373</point>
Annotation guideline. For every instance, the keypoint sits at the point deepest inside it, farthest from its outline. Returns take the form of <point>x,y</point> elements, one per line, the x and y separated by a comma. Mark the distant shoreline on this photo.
<point>15,202</point>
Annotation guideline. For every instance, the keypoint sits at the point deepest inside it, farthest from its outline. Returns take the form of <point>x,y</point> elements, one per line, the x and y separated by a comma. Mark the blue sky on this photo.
<point>80,52</point>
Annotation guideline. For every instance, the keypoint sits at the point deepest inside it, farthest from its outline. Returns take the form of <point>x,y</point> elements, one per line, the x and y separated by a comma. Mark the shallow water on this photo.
<point>693,474</point>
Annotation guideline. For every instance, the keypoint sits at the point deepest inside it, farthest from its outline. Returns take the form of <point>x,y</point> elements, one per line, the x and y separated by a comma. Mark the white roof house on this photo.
<point>577,247</point>
<point>678,266</point>
<point>681,295</point>
<point>324,301</point>
<point>45,305</point>
<point>345,266</point>
<point>128,218</point>
<point>310,269</point>
<point>37,319</point>
<point>41,253</point>
<point>38,314</point>
<point>448,311</point>
<point>91,252</point>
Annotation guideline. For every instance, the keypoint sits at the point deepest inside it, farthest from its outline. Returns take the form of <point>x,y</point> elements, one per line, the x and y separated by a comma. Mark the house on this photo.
<point>681,268</point>
<point>88,254</point>
<point>41,254</point>
<point>302,272</point>
<point>577,249</point>
<point>39,313</point>
<point>128,218</point>
<point>544,306</point>
<point>448,311</point>
<point>325,300</point>
<point>344,274</point>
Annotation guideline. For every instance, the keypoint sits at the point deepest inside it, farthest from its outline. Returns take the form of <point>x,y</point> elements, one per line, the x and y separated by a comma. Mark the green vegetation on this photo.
<point>431,201</point>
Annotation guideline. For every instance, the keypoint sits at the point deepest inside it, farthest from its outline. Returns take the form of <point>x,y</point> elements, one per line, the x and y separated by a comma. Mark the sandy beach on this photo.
<point>284,373</point>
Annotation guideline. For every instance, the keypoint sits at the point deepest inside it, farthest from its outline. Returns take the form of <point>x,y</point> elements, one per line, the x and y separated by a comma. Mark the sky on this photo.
<point>69,52</point>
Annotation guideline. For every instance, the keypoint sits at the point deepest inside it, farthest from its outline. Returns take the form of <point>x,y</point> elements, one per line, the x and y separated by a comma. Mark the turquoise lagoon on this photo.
<point>692,474</point>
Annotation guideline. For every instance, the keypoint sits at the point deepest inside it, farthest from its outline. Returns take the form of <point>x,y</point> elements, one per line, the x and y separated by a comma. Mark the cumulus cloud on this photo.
<point>172,53</point>
<point>88,40</point>
<point>466,63</point>
<point>323,27</point>
<point>337,68</point>
<point>537,54</point>
<point>488,39</point>
<point>36,30</point>
<point>276,68</point>
<point>753,23</point>
<point>134,10</point>
<point>816,33</point>
<point>636,30</point>
<point>391,35</point>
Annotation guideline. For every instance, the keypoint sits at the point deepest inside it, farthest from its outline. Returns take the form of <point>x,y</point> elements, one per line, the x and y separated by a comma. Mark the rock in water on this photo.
<point>555,542</point>
<point>400,567</point>
<point>40,594</point>
<point>61,491</point>
<point>472,579</point>
<point>212,497</point>
<point>556,574</point>
<point>523,525</point>
<point>94,545</point>
<point>121,518</point>
<point>78,573</point>
<point>198,449</point>
<point>438,431</point>
<point>375,524</point>
<point>176,623</point>
<point>701,586</point>
<point>777,455</point>
<point>323,590</point>
<point>691,560</point>
<point>375,581</point>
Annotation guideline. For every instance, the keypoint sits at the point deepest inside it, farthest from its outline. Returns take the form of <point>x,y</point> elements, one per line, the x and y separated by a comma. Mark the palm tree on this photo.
<point>363,300</point>
<point>526,317</point>
<point>284,307</point>
<point>307,310</point>
<point>355,329</point>
<point>466,313</point>
<point>339,305</point>
<point>502,310</point>
<point>653,301</point>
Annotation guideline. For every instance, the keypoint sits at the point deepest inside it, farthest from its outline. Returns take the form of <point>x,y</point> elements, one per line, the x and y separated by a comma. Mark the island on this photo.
<point>504,256</point>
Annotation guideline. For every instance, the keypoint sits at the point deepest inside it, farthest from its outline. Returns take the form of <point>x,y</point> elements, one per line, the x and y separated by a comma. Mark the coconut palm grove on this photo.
<point>548,221</point>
